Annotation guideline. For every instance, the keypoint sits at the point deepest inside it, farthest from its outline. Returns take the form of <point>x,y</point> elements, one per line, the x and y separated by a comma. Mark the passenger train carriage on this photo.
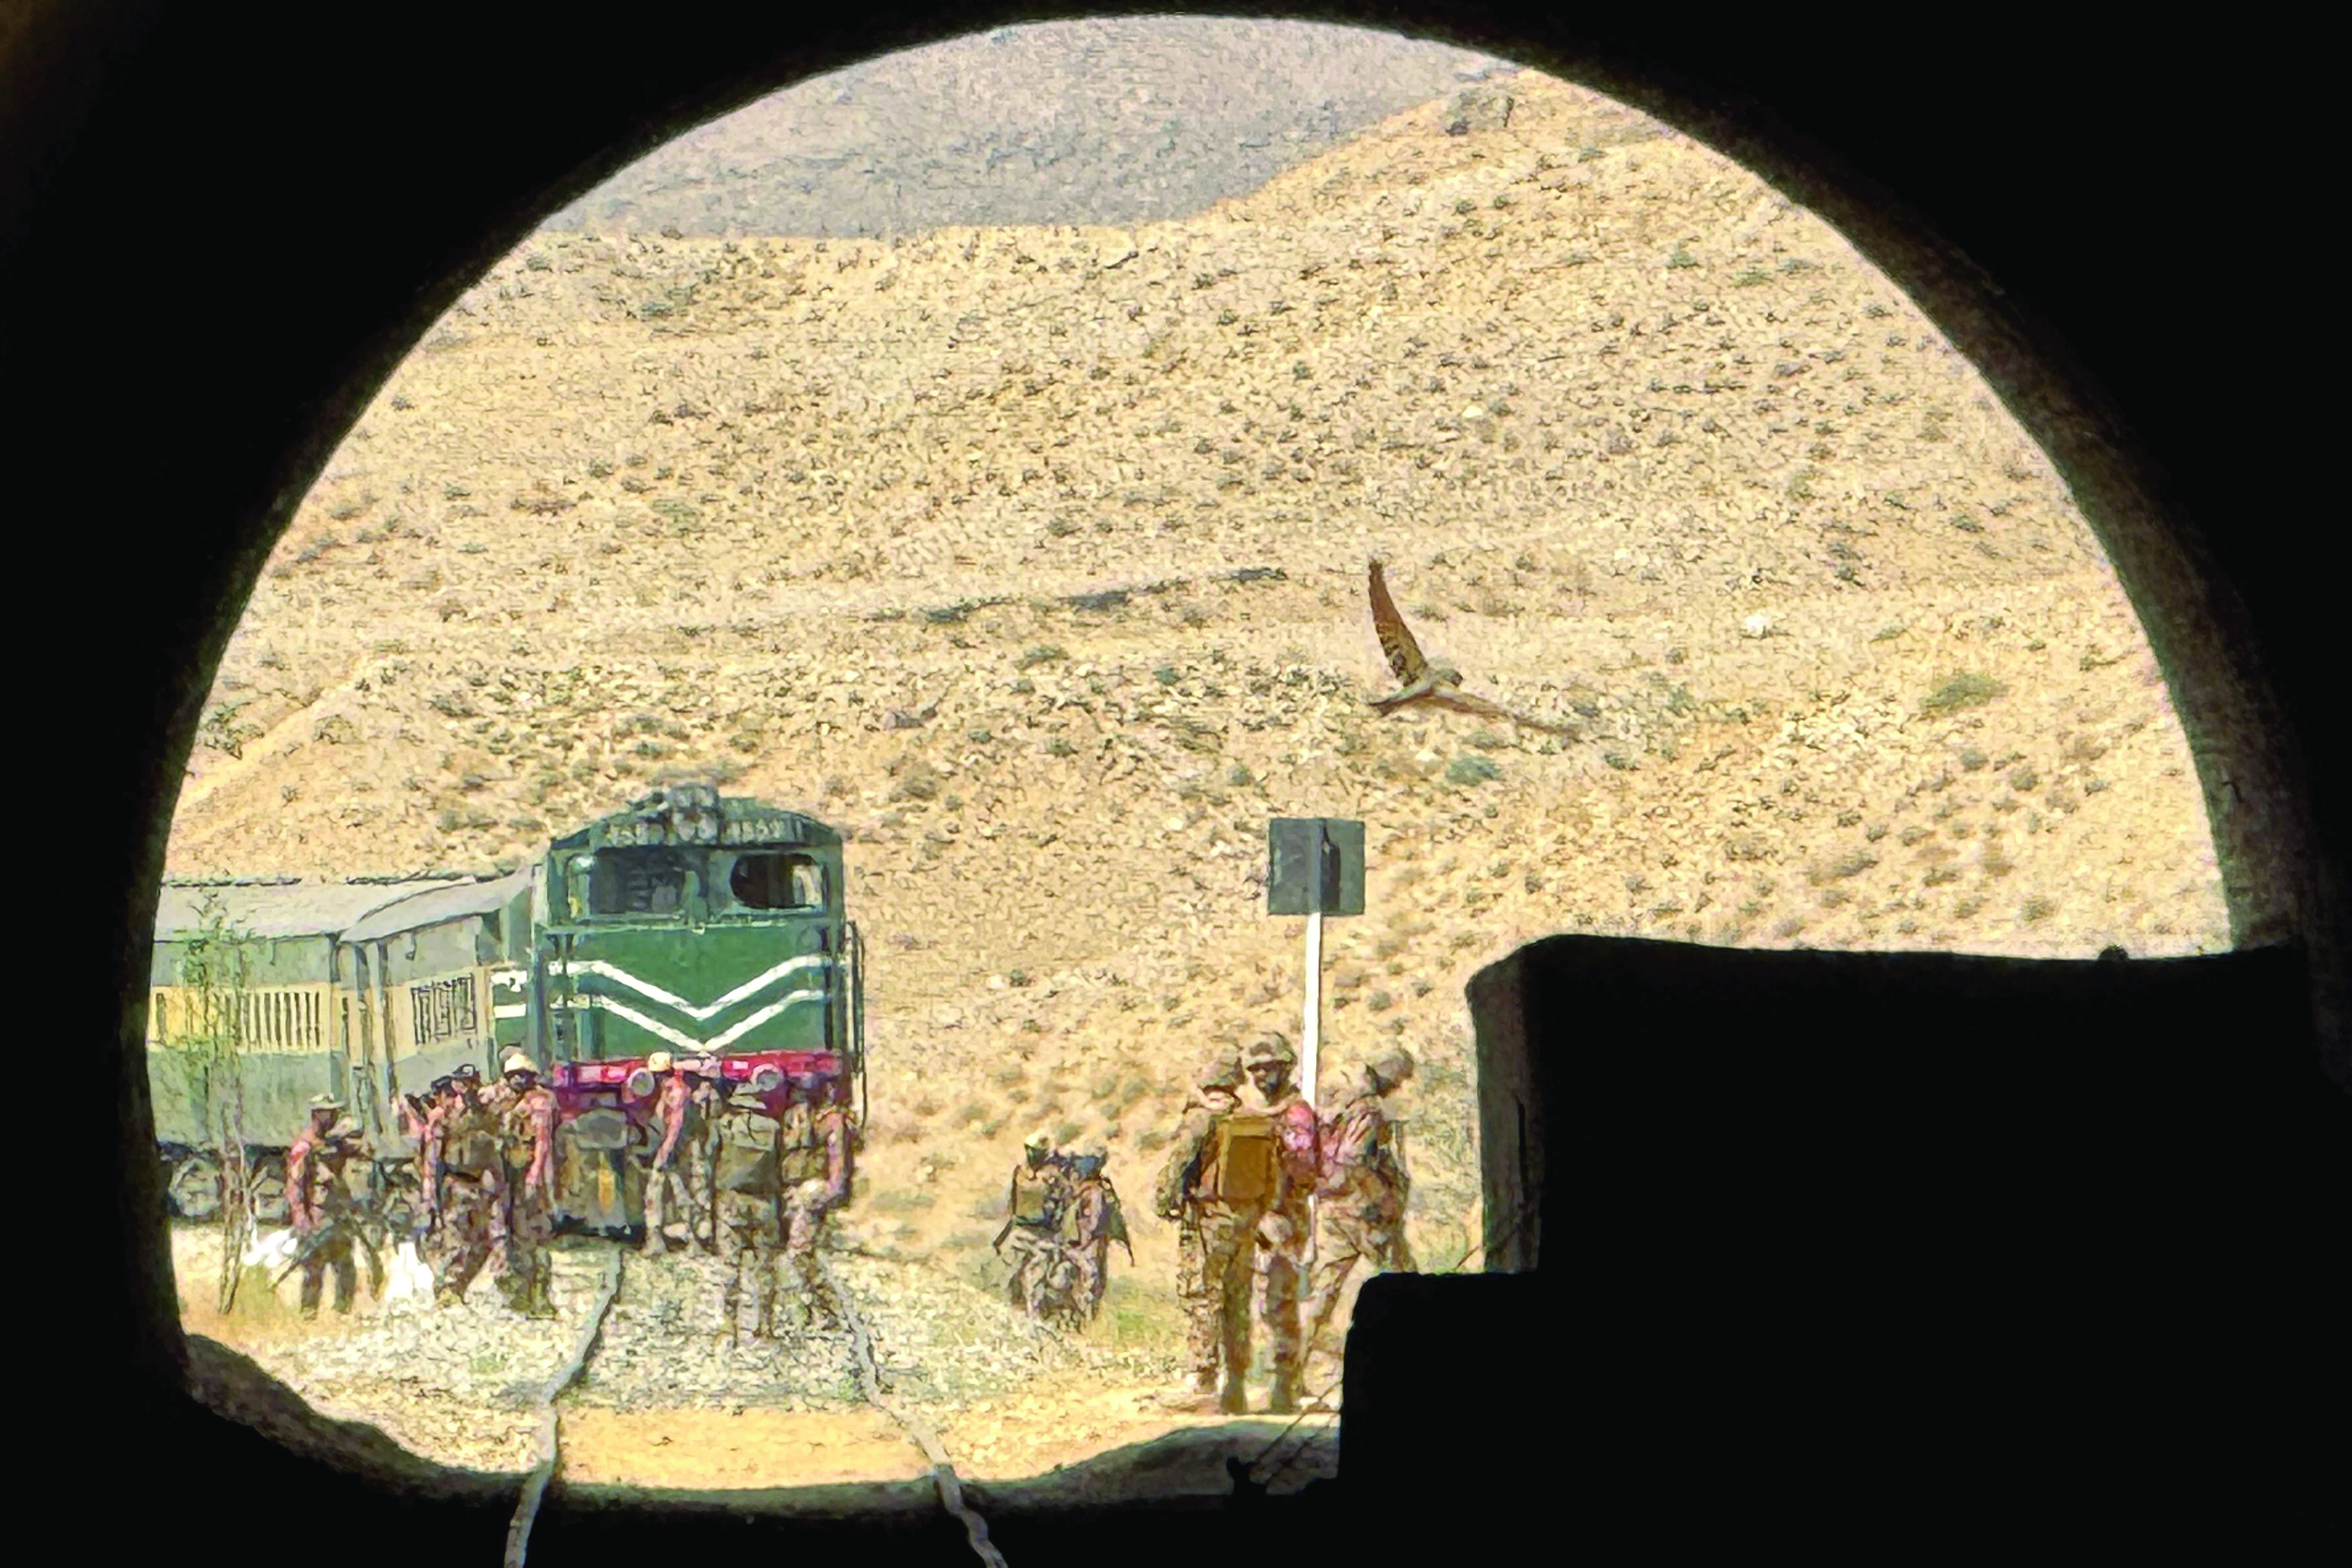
<point>711,928</point>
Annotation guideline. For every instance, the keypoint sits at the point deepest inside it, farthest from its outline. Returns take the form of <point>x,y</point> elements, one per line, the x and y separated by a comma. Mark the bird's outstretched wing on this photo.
<point>1404,653</point>
<point>1462,702</point>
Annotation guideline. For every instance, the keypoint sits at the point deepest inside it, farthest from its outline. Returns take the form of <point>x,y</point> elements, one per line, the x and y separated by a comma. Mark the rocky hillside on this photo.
<point>1034,558</point>
<point>1100,119</point>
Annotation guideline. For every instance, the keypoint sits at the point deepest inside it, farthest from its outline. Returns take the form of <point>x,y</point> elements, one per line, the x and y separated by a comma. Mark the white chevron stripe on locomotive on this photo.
<point>702,1015</point>
<point>685,1042</point>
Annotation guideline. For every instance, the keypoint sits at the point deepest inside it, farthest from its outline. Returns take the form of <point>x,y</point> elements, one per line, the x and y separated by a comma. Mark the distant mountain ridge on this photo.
<point>1141,120</point>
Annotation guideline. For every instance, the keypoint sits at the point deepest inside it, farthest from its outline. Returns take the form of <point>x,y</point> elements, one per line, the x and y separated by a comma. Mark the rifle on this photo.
<point>1117,1220</point>
<point>340,1225</point>
<point>1012,1199</point>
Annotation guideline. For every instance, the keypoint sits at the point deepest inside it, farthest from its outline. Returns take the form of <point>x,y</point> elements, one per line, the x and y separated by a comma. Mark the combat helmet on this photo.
<point>1270,1049</point>
<point>325,1102</point>
<point>1095,1149</point>
<point>1392,1067</point>
<point>1222,1069</point>
<point>658,1061</point>
<point>466,1072</point>
<point>518,1062</point>
<point>1041,1139</point>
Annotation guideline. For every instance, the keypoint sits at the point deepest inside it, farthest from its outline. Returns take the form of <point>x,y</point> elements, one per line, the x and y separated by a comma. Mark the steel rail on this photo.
<point>943,1475</point>
<point>534,1487</point>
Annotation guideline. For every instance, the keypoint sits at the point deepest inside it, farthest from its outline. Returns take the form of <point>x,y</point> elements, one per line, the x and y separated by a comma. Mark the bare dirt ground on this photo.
<point>1034,559</point>
<point>667,1404</point>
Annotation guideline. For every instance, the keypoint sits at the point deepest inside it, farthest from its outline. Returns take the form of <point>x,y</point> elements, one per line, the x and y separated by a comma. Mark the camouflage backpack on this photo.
<point>469,1145</point>
<point>746,1155</point>
<point>1241,1164</point>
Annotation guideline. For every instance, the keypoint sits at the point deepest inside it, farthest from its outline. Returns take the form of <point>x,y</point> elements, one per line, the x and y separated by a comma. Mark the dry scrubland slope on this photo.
<point>1106,120</point>
<point>1034,558</point>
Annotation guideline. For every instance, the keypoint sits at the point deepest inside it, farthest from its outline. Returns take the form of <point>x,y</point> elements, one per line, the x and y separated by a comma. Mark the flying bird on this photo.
<point>1439,685</point>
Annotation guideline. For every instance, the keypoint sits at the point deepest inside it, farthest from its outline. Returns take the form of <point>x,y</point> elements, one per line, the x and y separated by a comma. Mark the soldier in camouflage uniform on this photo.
<point>748,1205</point>
<point>1094,1222</point>
<point>1213,1269</point>
<point>706,1102</point>
<point>424,1126</point>
<point>817,1144</point>
<point>1035,1205</point>
<point>1360,1203</point>
<point>319,1206</point>
<point>469,1176</point>
<point>526,1210</point>
<point>669,1194</point>
<point>1282,1231</point>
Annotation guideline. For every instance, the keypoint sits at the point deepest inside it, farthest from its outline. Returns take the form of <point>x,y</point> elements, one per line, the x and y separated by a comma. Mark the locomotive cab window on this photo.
<point>636,882</point>
<point>772,882</point>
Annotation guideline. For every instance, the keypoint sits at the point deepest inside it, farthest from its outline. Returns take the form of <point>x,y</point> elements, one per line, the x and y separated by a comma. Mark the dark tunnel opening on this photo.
<point>2176,1108</point>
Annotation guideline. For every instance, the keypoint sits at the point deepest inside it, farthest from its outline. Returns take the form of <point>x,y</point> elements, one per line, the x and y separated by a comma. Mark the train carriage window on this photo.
<point>772,882</point>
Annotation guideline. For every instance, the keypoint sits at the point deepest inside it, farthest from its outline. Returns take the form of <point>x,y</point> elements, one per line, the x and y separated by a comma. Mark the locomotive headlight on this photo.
<point>767,1080</point>
<point>641,1083</point>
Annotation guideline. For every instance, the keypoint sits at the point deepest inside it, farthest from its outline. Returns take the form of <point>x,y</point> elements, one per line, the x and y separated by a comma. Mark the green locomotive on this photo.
<point>707,928</point>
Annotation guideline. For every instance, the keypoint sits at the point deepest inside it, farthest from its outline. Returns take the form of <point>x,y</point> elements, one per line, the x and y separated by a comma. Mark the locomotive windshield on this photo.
<point>769,880</point>
<point>649,881</point>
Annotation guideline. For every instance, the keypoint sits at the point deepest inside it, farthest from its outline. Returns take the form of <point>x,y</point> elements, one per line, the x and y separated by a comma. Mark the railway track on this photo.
<point>599,1329</point>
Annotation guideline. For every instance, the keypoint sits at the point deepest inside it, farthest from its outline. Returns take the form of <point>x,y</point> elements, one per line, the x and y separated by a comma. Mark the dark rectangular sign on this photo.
<point>1315,864</point>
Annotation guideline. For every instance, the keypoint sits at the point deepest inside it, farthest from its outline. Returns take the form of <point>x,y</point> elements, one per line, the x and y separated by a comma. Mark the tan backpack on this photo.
<point>1241,1166</point>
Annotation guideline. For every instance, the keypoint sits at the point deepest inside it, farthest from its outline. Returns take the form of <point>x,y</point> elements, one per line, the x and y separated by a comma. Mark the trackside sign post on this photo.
<point>1315,867</point>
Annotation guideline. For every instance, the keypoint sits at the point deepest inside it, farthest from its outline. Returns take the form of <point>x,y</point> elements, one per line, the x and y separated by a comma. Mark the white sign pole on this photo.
<point>1310,1038</point>
<point>1310,1035</point>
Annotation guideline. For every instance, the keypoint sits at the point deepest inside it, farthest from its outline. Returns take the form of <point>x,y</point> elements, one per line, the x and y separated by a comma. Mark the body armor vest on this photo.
<point>469,1144</point>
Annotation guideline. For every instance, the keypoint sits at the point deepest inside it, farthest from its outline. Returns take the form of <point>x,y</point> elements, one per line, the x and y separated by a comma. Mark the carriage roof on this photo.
<point>434,905</point>
<point>279,909</point>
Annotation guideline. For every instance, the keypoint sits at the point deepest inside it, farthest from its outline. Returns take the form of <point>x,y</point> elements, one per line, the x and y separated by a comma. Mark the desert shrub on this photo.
<point>1851,865</point>
<point>1964,689</point>
<point>917,779</point>
<point>1471,771</point>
